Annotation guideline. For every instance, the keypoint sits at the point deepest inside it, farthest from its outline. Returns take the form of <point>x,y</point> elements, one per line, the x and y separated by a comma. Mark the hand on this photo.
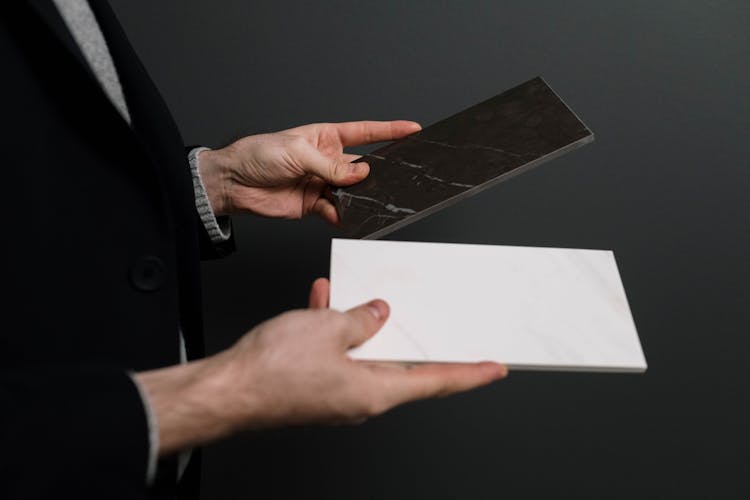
<point>294,369</point>
<point>285,174</point>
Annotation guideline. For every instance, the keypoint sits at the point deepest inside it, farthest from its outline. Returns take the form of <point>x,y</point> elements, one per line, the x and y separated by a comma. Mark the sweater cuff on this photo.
<point>219,230</point>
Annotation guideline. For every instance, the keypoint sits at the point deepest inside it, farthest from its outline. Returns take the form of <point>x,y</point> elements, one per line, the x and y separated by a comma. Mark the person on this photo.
<point>106,216</point>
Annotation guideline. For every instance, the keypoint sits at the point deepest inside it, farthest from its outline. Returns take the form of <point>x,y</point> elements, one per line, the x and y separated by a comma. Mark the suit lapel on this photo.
<point>49,14</point>
<point>153,131</point>
<point>130,72</point>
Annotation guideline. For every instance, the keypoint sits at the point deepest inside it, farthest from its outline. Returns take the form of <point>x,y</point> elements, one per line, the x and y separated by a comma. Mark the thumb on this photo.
<point>364,321</point>
<point>337,171</point>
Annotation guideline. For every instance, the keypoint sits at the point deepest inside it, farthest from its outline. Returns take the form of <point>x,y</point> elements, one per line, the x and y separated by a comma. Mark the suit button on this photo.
<point>147,273</point>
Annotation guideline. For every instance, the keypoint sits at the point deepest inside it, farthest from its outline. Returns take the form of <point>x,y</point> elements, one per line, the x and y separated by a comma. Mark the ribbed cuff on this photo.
<point>218,230</point>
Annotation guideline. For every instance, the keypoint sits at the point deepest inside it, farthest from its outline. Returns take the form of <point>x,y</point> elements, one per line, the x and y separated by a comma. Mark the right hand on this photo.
<point>285,174</point>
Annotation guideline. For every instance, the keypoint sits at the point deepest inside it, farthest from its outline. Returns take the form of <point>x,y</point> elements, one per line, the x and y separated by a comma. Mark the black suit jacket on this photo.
<point>100,262</point>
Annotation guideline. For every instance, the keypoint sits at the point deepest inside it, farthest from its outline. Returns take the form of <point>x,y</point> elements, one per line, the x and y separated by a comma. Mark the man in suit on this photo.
<point>106,217</point>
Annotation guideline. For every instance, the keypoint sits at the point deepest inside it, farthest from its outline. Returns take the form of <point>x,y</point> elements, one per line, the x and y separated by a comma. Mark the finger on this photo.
<point>367,132</point>
<point>351,158</point>
<point>314,191</point>
<point>399,366</point>
<point>319,293</point>
<point>364,321</point>
<point>326,211</point>
<point>438,379</point>
<point>328,194</point>
<point>337,171</point>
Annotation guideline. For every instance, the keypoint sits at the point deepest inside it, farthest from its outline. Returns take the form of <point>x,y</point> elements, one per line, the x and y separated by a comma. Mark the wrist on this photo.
<point>214,168</point>
<point>191,403</point>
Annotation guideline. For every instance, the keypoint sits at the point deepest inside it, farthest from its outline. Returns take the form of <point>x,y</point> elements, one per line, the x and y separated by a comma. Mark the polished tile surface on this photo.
<point>457,157</point>
<point>531,308</point>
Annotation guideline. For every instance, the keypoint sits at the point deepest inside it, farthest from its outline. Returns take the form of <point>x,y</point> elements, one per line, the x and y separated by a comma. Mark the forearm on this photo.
<point>191,403</point>
<point>294,369</point>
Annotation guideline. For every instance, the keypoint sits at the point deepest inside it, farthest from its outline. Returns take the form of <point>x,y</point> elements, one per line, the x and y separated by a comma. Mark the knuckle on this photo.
<point>354,322</point>
<point>339,321</point>
<point>296,144</point>
<point>334,323</point>
<point>337,169</point>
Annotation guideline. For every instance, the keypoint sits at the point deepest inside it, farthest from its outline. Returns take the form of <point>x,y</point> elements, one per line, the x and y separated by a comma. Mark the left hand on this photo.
<point>285,174</point>
<point>294,369</point>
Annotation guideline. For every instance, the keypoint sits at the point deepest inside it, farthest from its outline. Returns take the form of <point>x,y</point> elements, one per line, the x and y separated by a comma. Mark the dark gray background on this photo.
<point>663,85</point>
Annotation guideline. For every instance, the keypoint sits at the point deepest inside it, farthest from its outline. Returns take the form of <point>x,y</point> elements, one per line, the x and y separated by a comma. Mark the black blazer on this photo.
<point>100,260</point>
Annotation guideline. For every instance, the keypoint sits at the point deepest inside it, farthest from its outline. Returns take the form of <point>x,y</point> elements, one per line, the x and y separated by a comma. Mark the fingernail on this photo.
<point>378,309</point>
<point>358,167</point>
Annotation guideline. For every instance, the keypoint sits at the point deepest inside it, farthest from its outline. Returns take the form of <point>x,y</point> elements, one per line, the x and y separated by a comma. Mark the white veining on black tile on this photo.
<point>460,155</point>
<point>388,206</point>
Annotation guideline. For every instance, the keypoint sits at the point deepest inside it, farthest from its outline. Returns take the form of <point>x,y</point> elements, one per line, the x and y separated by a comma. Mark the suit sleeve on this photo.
<point>81,430</point>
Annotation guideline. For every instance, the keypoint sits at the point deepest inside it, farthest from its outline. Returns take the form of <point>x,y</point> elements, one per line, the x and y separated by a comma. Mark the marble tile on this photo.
<point>531,308</point>
<point>458,157</point>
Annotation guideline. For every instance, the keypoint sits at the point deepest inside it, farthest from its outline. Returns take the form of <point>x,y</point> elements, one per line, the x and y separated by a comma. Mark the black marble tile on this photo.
<point>458,157</point>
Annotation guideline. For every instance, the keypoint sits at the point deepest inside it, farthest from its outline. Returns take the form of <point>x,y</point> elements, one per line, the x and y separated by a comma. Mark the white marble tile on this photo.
<point>531,308</point>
